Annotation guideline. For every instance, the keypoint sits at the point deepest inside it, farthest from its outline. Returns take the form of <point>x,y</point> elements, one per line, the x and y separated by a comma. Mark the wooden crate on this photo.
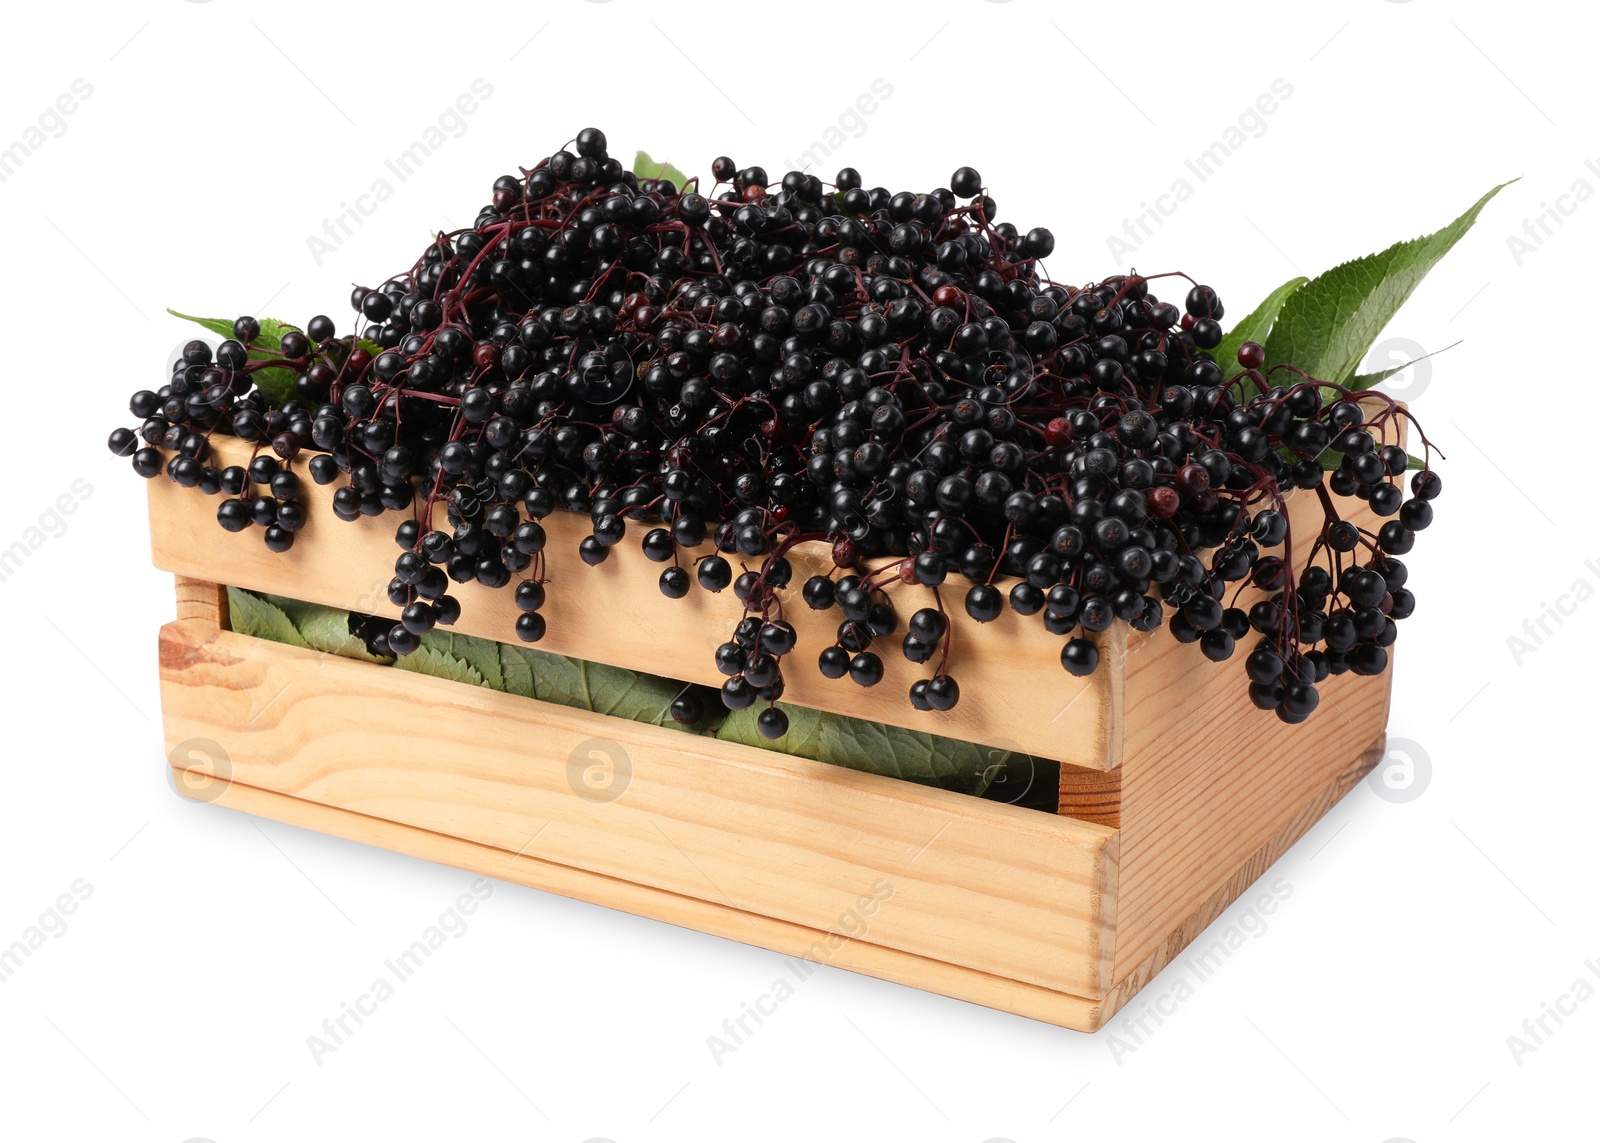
<point>1173,798</point>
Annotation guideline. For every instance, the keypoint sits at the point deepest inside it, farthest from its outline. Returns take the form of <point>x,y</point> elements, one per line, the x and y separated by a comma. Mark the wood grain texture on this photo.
<point>713,917</point>
<point>202,599</point>
<point>1092,795</point>
<point>1206,778</point>
<point>1191,926</point>
<point>616,614</point>
<point>990,887</point>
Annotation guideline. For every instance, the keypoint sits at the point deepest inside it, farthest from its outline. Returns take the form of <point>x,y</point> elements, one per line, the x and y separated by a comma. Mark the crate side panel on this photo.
<point>991,887</point>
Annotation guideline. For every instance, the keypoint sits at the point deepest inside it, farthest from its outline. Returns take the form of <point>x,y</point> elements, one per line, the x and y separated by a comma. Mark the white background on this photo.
<point>1418,934</point>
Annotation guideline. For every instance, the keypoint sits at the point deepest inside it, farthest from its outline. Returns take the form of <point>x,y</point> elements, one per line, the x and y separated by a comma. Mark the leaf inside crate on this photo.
<point>481,655</point>
<point>441,665</point>
<point>874,747</point>
<point>325,628</point>
<point>804,739</point>
<point>253,615</point>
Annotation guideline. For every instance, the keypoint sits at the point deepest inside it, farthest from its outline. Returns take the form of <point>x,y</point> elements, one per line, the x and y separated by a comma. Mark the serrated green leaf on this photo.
<point>912,755</point>
<point>430,661</point>
<point>874,747</point>
<point>482,655</point>
<point>645,167</point>
<point>1326,327</point>
<point>516,671</point>
<point>276,384</point>
<point>804,739</point>
<point>588,686</point>
<point>605,689</point>
<point>1255,326</point>
<point>251,615</point>
<point>324,628</point>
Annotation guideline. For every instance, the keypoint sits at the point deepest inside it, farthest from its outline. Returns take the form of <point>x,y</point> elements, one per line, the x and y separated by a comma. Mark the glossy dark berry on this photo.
<point>772,723</point>
<point>866,669</point>
<point>818,593</point>
<point>714,573</point>
<point>942,693</point>
<point>984,602</point>
<point>1080,657</point>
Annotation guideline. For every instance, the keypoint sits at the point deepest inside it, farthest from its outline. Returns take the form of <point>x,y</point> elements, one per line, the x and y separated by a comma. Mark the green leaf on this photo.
<point>605,689</point>
<point>276,384</point>
<point>913,755</point>
<point>1327,326</point>
<point>1368,380</point>
<point>804,739</point>
<point>874,747</point>
<point>588,686</point>
<point>251,615</point>
<point>516,670</point>
<point>1255,327</point>
<point>482,655</point>
<point>324,628</point>
<point>647,168</point>
<point>430,661</point>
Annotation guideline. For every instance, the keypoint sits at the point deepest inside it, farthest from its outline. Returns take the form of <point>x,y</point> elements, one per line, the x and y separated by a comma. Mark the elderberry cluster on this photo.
<point>772,364</point>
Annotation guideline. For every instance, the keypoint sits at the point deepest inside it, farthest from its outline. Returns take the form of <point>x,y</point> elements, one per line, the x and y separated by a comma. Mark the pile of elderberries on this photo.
<point>771,364</point>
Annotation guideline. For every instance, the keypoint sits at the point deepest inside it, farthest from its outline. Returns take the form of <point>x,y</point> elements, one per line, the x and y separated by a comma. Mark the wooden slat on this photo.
<point>1015,694</point>
<point>202,599</point>
<point>858,955</point>
<point>990,887</point>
